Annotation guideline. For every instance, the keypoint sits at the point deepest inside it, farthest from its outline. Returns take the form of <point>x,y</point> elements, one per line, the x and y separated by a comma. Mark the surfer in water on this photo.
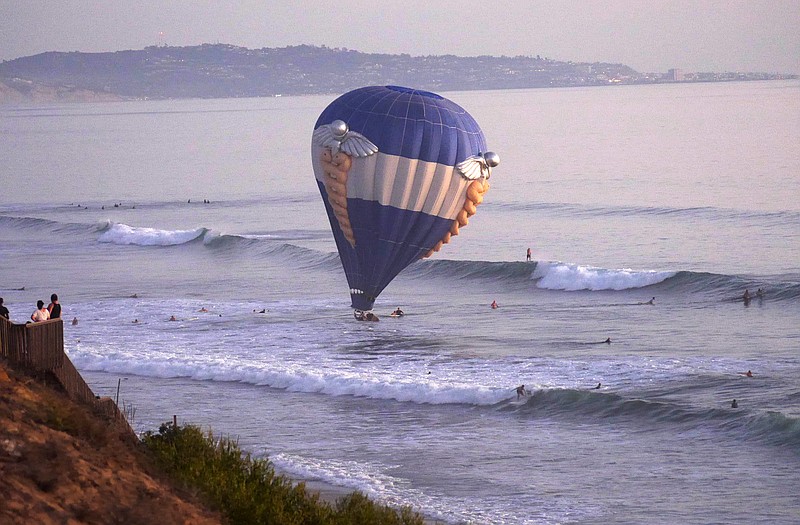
<point>521,391</point>
<point>494,305</point>
<point>397,313</point>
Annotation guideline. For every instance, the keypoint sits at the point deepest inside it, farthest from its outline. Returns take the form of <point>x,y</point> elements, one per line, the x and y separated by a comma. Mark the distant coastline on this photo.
<point>226,71</point>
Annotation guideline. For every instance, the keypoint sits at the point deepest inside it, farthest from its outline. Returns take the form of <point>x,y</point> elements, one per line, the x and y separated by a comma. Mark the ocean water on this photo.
<point>686,193</point>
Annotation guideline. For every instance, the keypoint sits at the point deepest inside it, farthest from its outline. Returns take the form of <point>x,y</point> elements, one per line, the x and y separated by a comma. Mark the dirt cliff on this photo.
<point>61,463</point>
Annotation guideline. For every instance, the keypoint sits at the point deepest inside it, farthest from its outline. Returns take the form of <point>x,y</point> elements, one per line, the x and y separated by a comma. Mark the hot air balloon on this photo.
<point>400,170</point>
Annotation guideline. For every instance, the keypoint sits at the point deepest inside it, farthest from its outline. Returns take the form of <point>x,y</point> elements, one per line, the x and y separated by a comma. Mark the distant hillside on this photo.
<point>221,70</point>
<point>228,71</point>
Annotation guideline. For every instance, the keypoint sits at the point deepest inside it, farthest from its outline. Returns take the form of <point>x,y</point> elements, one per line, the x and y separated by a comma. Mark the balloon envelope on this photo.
<point>398,192</point>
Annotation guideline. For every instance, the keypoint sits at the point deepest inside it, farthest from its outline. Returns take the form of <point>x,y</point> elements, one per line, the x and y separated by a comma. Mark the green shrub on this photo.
<point>248,491</point>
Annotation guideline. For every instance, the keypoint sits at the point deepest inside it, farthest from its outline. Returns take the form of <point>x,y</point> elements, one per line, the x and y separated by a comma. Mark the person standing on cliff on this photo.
<point>54,307</point>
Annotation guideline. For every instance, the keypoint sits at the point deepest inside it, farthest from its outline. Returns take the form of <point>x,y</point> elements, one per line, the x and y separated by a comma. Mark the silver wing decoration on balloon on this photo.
<point>338,137</point>
<point>478,166</point>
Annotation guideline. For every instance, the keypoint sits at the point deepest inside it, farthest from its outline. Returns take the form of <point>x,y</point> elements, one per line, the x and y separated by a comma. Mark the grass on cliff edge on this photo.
<point>247,490</point>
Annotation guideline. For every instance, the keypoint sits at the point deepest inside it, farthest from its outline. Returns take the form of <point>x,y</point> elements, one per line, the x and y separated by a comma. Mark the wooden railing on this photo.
<point>39,347</point>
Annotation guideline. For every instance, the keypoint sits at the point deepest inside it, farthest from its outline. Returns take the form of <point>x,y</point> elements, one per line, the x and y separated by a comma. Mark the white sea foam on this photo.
<point>295,377</point>
<point>119,233</point>
<point>374,480</point>
<point>572,277</point>
<point>364,477</point>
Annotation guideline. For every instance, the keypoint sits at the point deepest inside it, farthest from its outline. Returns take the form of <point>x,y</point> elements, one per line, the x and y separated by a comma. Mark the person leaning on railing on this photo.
<point>41,313</point>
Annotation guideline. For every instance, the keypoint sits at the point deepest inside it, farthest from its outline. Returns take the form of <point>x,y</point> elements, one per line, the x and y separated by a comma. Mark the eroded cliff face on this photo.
<point>17,91</point>
<point>61,463</point>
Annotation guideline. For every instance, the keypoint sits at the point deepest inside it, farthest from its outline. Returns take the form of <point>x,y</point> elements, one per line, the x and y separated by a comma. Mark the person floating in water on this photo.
<point>651,301</point>
<point>734,404</point>
<point>521,391</point>
<point>749,373</point>
<point>365,316</point>
<point>608,341</point>
<point>528,255</point>
<point>172,318</point>
<point>746,296</point>
<point>398,312</point>
<point>74,321</point>
<point>494,305</point>
<point>598,386</point>
<point>760,293</point>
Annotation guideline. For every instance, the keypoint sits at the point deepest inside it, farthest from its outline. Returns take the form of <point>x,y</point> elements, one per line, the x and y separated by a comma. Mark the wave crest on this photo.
<point>118,233</point>
<point>573,277</point>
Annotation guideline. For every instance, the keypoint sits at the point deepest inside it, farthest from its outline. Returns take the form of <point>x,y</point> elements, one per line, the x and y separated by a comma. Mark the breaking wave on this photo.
<point>572,277</point>
<point>118,233</point>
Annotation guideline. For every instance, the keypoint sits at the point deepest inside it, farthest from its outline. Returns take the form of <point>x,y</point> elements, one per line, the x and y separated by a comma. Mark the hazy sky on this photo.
<point>648,35</point>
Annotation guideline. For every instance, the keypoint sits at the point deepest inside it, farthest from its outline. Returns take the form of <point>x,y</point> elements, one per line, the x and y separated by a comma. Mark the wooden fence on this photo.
<point>39,347</point>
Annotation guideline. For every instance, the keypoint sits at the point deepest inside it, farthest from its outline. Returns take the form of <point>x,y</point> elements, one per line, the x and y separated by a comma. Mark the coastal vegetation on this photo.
<point>247,490</point>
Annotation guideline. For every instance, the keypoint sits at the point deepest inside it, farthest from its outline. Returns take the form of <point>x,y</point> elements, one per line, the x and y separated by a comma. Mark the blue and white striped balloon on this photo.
<point>399,170</point>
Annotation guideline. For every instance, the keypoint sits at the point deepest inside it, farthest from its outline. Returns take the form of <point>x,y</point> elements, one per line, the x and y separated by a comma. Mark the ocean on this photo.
<point>133,212</point>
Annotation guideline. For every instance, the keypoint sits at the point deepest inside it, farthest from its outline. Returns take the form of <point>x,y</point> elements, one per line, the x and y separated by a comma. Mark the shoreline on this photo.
<point>330,493</point>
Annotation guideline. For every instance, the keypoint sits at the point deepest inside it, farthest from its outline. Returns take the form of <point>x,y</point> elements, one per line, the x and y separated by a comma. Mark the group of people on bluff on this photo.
<point>53,311</point>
